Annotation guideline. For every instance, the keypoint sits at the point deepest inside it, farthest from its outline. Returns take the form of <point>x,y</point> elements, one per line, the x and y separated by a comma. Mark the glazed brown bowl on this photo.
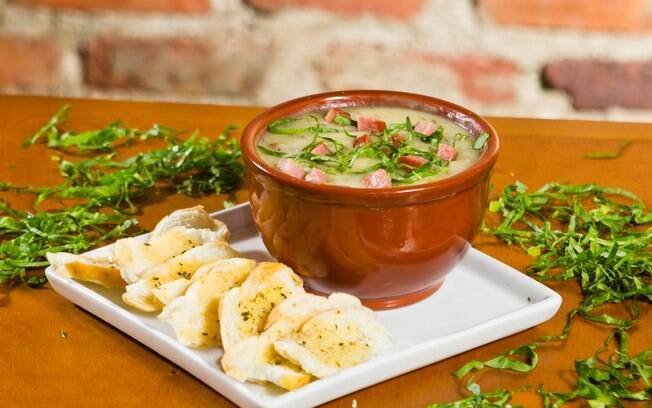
<point>389,247</point>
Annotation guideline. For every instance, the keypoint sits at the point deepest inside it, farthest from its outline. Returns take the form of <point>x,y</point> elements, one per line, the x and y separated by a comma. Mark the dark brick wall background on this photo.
<point>540,58</point>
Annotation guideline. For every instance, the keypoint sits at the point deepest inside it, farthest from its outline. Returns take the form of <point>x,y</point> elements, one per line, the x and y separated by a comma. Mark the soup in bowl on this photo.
<point>373,193</point>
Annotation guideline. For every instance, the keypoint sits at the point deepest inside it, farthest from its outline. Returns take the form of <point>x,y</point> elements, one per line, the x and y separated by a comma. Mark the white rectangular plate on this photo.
<point>482,300</point>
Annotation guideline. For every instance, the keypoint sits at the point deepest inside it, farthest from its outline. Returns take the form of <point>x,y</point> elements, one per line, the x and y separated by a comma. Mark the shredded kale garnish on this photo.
<point>481,141</point>
<point>106,190</point>
<point>279,126</point>
<point>601,238</point>
<point>496,399</point>
<point>607,383</point>
<point>193,166</point>
<point>505,361</point>
<point>600,241</point>
<point>106,139</point>
<point>26,237</point>
<point>609,155</point>
<point>382,148</point>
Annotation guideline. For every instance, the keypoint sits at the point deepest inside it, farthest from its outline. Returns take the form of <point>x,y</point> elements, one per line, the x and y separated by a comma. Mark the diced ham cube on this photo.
<point>377,179</point>
<point>290,167</point>
<point>321,150</point>
<point>425,128</point>
<point>316,176</point>
<point>366,124</point>
<point>333,112</point>
<point>361,140</point>
<point>446,152</point>
<point>413,161</point>
<point>397,140</point>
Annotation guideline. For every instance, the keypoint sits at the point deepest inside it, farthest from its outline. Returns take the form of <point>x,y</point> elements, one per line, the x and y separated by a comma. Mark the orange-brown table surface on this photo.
<point>97,365</point>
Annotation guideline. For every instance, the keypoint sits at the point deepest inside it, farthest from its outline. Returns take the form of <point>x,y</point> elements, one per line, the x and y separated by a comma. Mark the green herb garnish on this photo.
<point>481,141</point>
<point>106,139</point>
<point>193,166</point>
<point>383,148</point>
<point>279,126</point>
<point>505,361</point>
<point>496,399</point>
<point>26,237</point>
<point>607,383</point>
<point>342,120</point>
<point>601,238</point>
<point>609,155</point>
<point>106,190</point>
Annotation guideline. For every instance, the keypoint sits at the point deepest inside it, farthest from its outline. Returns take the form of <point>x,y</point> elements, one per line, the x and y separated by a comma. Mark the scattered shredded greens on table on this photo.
<point>106,139</point>
<point>609,155</point>
<point>601,237</point>
<point>497,399</point>
<point>105,190</point>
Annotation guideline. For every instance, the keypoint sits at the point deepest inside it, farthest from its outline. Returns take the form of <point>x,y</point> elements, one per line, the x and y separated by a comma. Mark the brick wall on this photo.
<point>542,58</point>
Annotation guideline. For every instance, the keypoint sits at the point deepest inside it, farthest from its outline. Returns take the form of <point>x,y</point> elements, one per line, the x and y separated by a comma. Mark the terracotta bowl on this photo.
<point>390,247</point>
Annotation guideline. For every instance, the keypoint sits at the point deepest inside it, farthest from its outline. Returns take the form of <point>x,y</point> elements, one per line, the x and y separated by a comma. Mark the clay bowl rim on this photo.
<point>471,121</point>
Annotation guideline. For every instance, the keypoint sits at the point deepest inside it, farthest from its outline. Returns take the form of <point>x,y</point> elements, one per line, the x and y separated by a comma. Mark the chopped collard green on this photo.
<point>599,237</point>
<point>382,146</point>
<point>346,149</point>
<point>496,399</point>
<point>609,155</point>
<point>105,189</point>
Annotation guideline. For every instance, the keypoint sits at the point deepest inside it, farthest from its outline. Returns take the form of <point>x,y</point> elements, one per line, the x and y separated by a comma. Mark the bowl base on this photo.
<point>390,302</point>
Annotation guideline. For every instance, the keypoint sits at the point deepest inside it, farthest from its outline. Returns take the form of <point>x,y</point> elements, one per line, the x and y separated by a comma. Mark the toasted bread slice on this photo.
<point>244,310</point>
<point>84,268</point>
<point>141,294</point>
<point>191,218</point>
<point>334,340</point>
<point>195,315</point>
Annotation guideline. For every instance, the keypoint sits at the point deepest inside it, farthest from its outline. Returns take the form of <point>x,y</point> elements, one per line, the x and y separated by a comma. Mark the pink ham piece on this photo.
<point>377,179</point>
<point>397,140</point>
<point>290,167</point>
<point>316,176</point>
<point>413,161</point>
<point>446,152</point>
<point>361,140</point>
<point>333,112</point>
<point>321,150</point>
<point>425,128</point>
<point>366,124</point>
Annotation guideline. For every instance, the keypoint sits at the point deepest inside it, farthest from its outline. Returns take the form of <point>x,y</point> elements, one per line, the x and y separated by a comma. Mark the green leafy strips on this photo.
<point>26,237</point>
<point>598,236</point>
<point>51,127</point>
<point>343,120</point>
<point>481,141</point>
<point>106,190</point>
<point>505,361</point>
<point>382,147</point>
<point>609,155</point>
<point>601,238</point>
<point>193,166</point>
<point>101,140</point>
<point>496,399</point>
<point>607,383</point>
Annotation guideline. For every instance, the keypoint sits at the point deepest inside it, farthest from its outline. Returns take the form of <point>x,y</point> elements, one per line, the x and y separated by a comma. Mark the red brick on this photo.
<point>28,64</point>
<point>175,64</point>
<point>623,15</point>
<point>599,84</point>
<point>163,6</point>
<point>399,9</point>
<point>483,79</point>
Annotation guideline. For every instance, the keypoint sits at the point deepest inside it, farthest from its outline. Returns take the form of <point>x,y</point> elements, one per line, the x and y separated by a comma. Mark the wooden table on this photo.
<point>96,364</point>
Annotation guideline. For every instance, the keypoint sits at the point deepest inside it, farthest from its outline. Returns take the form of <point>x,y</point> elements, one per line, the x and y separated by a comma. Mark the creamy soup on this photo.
<point>369,147</point>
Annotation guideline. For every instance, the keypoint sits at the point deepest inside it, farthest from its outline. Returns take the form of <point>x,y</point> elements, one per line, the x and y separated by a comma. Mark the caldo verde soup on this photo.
<point>370,147</point>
